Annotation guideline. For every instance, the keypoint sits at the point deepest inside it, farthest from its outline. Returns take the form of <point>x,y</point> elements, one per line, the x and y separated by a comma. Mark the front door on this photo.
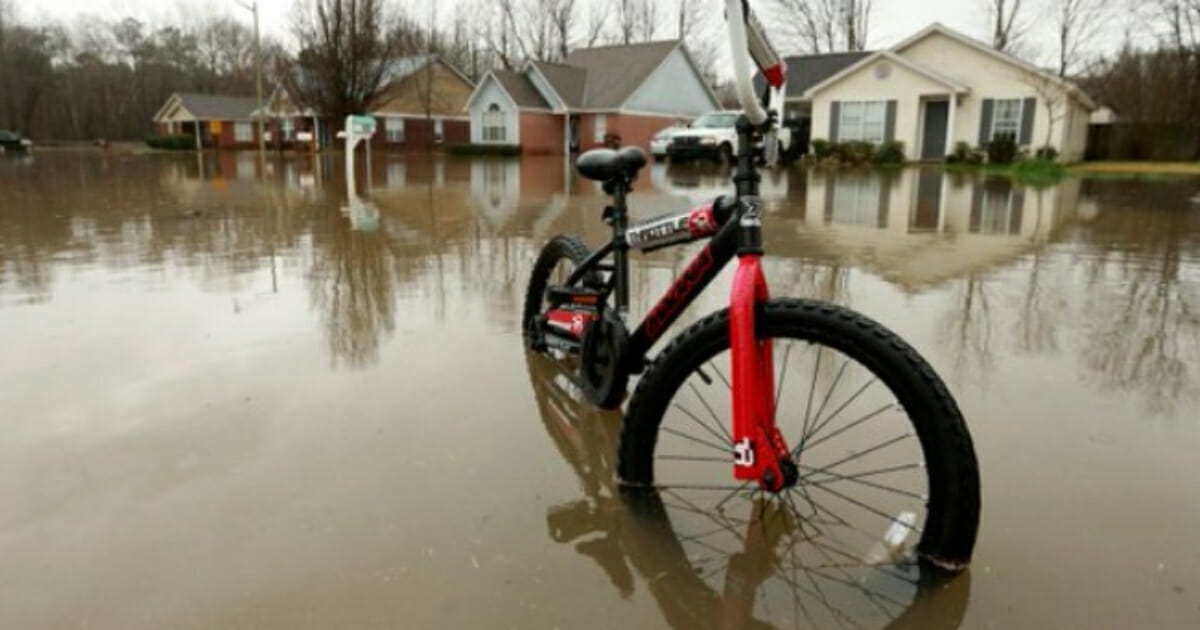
<point>933,141</point>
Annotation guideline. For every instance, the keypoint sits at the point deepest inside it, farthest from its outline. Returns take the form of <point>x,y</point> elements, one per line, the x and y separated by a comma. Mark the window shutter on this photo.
<point>835,114</point>
<point>1028,109</point>
<point>985,122</point>
<point>889,129</point>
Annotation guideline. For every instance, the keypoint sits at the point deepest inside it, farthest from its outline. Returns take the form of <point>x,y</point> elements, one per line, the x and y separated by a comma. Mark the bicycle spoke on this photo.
<point>873,449</point>
<point>868,484</point>
<point>832,388</point>
<point>722,376</point>
<point>869,508</point>
<point>782,375</point>
<point>702,424</point>
<point>694,439</point>
<point>817,427</point>
<point>853,424</point>
<point>712,413</point>
<point>812,388</point>
<point>869,473</point>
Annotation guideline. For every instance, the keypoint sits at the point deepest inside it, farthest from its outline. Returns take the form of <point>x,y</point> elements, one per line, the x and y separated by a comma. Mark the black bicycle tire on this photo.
<point>953,507</point>
<point>563,246</point>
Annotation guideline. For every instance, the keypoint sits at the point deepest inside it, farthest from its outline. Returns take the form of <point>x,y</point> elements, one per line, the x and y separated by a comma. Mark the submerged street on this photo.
<point>230,400</point>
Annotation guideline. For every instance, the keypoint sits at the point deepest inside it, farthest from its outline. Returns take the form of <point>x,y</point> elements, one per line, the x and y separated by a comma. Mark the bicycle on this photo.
<point>577,304</point>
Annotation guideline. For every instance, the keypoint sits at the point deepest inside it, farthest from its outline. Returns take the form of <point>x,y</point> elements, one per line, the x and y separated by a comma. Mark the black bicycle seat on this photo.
<point>605,165</point>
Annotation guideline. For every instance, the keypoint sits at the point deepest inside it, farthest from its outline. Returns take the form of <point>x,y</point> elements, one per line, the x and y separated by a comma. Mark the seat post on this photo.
<point>620,224</point>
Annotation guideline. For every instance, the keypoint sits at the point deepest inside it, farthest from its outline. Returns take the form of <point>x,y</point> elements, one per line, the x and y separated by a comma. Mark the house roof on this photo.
<point>805,71</point>
<point>614,73</point>
<point>214,107</point>
<point>520,89</point>
<point>918,68</point>
<point>971,42</point>
<point>568,81</point>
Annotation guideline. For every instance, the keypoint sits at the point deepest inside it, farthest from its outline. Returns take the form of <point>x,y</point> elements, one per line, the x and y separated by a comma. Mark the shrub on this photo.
<point>1047,154</point>
<point>171,143</point>
<point>889,153</point>
<point>822,149</point>
<point>485,149</point>
<point>1002,149</point>
<point>855,153</point>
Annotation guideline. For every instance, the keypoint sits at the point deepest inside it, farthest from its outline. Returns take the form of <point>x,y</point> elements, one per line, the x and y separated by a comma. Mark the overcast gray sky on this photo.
<point>891,21</point>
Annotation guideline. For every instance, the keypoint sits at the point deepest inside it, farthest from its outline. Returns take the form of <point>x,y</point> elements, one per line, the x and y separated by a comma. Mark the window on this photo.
<point>493,124</point>
<point>601,127</point>
<point>856,200</point>
<point>862,121</point>
<point>243,132</point>
<point>1006,118</point>
<point>438,130</point>
<point>287,128</point>
<point>394,128</point>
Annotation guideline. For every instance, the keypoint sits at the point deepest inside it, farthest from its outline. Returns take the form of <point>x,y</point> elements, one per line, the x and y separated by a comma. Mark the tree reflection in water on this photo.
<point>352,286</point>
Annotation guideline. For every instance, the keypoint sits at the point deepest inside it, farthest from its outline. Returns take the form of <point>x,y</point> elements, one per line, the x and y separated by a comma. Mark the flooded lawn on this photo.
<point>232,400</point>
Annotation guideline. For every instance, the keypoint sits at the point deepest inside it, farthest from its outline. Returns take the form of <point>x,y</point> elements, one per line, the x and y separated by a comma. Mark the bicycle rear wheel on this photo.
<point>888,476</point>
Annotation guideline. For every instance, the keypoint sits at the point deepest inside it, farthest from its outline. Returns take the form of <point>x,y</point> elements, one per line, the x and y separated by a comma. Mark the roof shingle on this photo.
<point>615,72</point>
<point>213,107</point>
<point>805,71</point>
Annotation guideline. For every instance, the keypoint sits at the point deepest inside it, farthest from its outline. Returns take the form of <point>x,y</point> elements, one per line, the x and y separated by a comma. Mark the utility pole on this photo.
<point>258,63</point>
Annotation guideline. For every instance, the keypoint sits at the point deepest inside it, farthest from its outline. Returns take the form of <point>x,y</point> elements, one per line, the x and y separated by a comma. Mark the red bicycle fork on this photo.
<point>759,450</point>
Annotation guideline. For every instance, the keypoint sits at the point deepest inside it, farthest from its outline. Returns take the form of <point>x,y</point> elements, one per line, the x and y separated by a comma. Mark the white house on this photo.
<point>940,87</point>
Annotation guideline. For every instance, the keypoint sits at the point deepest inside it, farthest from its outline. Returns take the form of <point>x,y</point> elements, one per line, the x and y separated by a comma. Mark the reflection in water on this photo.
<point>625,532</point>
<point>1000,255</point>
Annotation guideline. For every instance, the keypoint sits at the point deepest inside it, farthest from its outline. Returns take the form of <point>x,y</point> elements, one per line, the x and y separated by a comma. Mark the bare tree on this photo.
<point>346,52</point>
<point>1006,24</point>
<point>1182,20</point>
<point>824,26</point>
<point>636,20</point>
<point>1078,24</point>
<point>561,14</point>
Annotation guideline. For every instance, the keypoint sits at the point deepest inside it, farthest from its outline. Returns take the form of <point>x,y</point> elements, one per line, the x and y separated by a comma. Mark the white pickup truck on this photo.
<point>714,137</point>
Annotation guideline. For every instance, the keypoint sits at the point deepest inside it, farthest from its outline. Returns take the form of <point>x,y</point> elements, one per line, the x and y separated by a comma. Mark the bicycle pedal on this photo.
<point>576,296</point>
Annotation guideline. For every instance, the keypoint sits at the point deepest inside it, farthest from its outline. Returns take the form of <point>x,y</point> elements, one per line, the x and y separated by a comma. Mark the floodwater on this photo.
<point>233,400</point>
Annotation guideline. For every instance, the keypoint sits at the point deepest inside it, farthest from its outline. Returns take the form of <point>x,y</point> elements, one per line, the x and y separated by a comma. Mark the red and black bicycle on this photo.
<point>810,404</point>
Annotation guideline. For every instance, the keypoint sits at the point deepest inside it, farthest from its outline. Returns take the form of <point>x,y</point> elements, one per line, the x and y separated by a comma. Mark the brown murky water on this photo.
<point>228,402</point>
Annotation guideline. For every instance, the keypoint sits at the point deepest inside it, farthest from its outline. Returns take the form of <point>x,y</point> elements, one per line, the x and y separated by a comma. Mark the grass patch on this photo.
<point>1169,169</point>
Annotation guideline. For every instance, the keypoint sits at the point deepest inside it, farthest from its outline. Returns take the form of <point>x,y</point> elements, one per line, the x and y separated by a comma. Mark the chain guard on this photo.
<point>602,371</point>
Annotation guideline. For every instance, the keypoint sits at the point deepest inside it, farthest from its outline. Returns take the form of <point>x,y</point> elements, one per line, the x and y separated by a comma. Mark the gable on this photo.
<point>883,66</point>
<point>490,91</point>
<point>674,88</point>
<point>882,77</point>
<point>544,87</point>
<point>435,87</point>
<point>614,73</point>
<point>979,66</point>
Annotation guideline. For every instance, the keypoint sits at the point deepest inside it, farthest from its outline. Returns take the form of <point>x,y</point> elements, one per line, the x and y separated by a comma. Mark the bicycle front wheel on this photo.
<point>888,475</point>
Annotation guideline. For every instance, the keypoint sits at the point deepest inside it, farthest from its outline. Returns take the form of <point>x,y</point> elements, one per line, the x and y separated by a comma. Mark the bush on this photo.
<point>889,153</point>
<point>1046,154</point>
<point>485,149</point>
<point>172,143</point>
<point>822,149</point>
<point>855,153</point>
<point>1002,149</point>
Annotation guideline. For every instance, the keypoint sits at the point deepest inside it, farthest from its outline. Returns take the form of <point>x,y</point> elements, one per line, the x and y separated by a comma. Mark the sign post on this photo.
<point>363,215</point>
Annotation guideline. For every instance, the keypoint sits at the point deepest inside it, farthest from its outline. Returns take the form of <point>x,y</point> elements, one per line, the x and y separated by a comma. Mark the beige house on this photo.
<point>940,87</point>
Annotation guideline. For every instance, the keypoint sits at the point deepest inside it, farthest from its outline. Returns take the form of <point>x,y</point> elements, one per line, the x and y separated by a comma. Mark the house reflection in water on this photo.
<point>918,227</point>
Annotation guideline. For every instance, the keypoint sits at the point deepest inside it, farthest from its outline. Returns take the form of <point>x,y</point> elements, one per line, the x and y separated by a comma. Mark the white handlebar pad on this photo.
<point>747,38</point>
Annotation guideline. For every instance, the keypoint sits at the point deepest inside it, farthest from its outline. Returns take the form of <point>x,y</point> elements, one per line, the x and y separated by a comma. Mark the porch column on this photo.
<point>196,132</point>
<point>950,124</point>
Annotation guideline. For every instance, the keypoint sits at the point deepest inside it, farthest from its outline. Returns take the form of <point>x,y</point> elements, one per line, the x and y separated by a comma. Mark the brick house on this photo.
<point>423,106</point>
<point>630,92</point>
<point>221,122</point>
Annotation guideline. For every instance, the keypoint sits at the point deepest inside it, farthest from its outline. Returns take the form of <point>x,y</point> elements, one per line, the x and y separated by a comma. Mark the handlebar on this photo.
<point>749,40</point>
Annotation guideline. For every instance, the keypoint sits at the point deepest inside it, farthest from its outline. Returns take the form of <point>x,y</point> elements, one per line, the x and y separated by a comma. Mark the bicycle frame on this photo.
<point>759,450</point>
